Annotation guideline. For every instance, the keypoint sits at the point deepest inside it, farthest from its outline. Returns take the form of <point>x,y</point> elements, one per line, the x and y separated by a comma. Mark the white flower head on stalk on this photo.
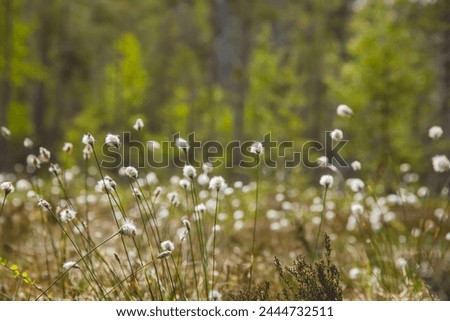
<point>189,172</point>
<point>44,204</point>
<point>356,165</point>
<point>5,132</point>
<point>163,255</point>
<point>70,265</point>
<point>128,229</point>
<point>355,184</point>
<point>184,183</point>
<point>137,193</point>
<point>67,215</point>
<point>55,169</point>
<point>7,188</point>
<point>344,111</point>
<point>357,209</point>
<point>207,167</point>
<point>112,140</point>
<point>326,181</point>
<point>441,163</point>
<point>88,139</point>
<point>322,161</point>
<point>215,295</point>
<point>107,185</point>
<point>28,143</point>
<point>203,179</point>
<point>182,144</point>
<point>337,135</point>
<point>200,208</point>
<point>157,192</point>
<point>187,225</point>
<point>139,124</point>
<point>173,198</point>
<point>132,172</point>
<point>87,150</point>
<point>257,148</point>
<point>167,246</point>
<point>67,148</point>
<point>217,183</point>
<point>44,155</point>
<point>435,132</point>
<point>33,161</point>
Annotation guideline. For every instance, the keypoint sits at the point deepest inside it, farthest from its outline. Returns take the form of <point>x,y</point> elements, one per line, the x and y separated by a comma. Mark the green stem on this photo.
<point>320,224</point>
<point>252,255</point>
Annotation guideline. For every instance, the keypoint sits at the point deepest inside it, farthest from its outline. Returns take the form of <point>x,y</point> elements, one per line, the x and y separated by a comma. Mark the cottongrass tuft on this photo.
<point>67,215</point>
<point>356,165</point>
<point>44,204</point>
<point>435,132</point>
<point>256,148</point>
<point>182,144</point>
<point>132,172</point>
<point>187,225</point>
<point>112,140</point>
<point>67,148</point>
<point>357,209</point>
<point>167,246</point>
<point>215,295</point>
<point>55,169</point>
<point>322,161</point>
<point>88,139</point>
<point>173,198</point>
<point>139,124</point>
<point>441,163</point>
<point>106,185</point>
<point>189,171</point>
<point>128,228</point>
<point>28,143</point>
<point>87,150</point>
<point>355,184</point>
<point>5,132</point>
<point>326,181</point>
<point>163,255</point>
<point>217,183</point>
<point>44,155</point>
<point>337,135</point>
<point>70,265</point>
<point>184,183</point>
<point>344,111</point>
<point>7,188</point>
<point>33,161</point>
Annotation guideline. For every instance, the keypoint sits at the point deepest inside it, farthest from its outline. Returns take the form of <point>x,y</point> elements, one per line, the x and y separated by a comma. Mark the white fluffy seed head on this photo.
<point>357,209</point>
<point>163,255</point>
<point>44,155</point>
<point>355,184</point>
<point>88,139</point>
<point>215,295</point>
<point>326,181</point>
<point>441,163</point>
<point>28,143</point>
<point>356,165</point>
<point>128,229</point>
<point>256,148</point>
<point>5,132</point>
<point>435,132</point>
<point>67,215</point>
<point>70,265</point>
<point>7,188</point>
<point>67,148</point>
<point>182,144</point>
<point>217,183</point>
<point>54,169</point>
<point>44,204</point>
<point>189,171</point>
<point>322,161</point>
<point>87,150</point>
<point>337,135</point>
<point>184,183</point>
<point>167,246</point>
<point>132,172</point>
<point>173,198</point>
<point>344,111</point>
<point>112,140</point>
<point>187,225</point>
<point>139,124</point>
<point>33,161</point>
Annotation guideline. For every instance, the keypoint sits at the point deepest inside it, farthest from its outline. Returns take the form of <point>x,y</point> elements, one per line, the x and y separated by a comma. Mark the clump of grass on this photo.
<point>310,282</point>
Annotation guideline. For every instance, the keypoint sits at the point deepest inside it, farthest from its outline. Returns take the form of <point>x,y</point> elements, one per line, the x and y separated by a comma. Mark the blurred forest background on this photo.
<point>228,69</point>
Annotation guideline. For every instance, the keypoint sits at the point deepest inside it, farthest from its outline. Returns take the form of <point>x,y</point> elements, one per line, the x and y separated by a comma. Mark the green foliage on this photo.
<point>387,84</point>
<point>16,271</point>
<point>307,282</point>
